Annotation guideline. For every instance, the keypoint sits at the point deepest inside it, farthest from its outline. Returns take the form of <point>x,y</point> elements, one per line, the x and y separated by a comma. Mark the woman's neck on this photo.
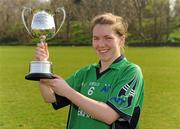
<point>105,64</point>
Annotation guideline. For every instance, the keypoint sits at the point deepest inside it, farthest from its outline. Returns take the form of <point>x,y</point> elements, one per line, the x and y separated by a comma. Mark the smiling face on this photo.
<point>106,42</point>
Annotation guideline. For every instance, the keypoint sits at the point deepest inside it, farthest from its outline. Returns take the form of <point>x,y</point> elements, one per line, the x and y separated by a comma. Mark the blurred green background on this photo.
<point>21,105</point>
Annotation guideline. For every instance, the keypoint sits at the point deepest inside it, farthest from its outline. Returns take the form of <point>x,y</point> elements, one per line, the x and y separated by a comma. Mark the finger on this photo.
<point>42,83</point>
<point>46,81</point>
<point>44,46</point>
<point>40,54</point>
<point>43,80</point>
<point>41,57</point>
<point>56,76</point>
<point>41,45</point>
<point>40,50</point>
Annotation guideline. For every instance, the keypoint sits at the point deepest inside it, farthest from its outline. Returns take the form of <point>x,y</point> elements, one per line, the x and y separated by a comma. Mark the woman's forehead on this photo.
<point>103,29</point>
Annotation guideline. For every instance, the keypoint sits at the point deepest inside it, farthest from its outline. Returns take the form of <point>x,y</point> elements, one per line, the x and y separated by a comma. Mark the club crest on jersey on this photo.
<point>126,94</point>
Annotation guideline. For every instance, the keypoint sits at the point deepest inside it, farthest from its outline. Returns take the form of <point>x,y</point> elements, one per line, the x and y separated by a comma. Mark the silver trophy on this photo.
<point>42,27</point>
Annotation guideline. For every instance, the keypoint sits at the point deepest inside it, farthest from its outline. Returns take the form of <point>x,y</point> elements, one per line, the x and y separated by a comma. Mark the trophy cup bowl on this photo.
<point>42,27</point>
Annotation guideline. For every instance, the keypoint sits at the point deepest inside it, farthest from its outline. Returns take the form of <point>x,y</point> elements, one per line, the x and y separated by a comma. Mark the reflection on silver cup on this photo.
<point>43,24</point>
<point>42,27</point>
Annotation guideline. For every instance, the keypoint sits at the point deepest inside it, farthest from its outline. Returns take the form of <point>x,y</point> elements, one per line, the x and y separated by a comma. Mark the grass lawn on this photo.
<point>21,106</point>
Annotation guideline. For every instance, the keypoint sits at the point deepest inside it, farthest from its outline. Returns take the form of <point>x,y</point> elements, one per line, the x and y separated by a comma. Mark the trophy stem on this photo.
<point>42,38</point>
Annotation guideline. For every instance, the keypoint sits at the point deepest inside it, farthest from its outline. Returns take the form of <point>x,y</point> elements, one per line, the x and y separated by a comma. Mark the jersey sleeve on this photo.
<point>127,92</point>
<point>60,102</point>
<point>74,81</point>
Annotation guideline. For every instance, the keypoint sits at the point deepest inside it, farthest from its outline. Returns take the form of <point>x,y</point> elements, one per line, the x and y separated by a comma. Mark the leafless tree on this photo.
<point>148,19</point>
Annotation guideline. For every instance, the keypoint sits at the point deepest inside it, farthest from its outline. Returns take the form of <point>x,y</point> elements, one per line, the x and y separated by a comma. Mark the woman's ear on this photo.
<point>122,41</point>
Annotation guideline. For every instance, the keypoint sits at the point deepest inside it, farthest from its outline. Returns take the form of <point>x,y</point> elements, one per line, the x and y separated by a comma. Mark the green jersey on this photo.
<point>120,86</point>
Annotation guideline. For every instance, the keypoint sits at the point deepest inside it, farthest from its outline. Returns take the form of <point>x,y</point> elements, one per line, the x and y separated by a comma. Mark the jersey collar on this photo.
<point>115,63</point>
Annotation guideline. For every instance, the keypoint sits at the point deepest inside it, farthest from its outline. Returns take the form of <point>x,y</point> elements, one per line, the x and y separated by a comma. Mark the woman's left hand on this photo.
<point>58,85</point>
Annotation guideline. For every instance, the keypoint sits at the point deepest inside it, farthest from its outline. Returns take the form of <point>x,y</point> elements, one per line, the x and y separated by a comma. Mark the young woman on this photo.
<point>106,95</point>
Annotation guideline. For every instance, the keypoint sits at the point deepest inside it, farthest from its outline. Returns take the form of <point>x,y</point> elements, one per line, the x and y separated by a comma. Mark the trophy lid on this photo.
<point>42,21</point>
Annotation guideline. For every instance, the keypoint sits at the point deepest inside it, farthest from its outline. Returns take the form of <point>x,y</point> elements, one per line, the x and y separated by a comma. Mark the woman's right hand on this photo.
<point>42,53</point>
<point>47,92</point>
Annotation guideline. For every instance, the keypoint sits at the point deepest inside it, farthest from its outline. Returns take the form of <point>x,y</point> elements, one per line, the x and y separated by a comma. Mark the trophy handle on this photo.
<point>23,19</point>
<point>64,16</point>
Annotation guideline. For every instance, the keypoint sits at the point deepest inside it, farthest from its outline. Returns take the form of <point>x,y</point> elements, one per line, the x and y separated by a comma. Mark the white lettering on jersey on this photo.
<point>83,114</point>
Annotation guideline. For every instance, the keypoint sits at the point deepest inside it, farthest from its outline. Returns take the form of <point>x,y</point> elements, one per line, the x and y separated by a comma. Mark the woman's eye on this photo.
<point>95,38</point>
<point>108,38</point>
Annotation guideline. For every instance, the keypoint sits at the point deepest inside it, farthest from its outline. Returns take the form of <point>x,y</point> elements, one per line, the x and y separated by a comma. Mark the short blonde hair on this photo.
<point>119,25</point>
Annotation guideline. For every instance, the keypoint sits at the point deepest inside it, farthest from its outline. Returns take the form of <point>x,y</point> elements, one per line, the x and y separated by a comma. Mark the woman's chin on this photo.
<point>104,59</point>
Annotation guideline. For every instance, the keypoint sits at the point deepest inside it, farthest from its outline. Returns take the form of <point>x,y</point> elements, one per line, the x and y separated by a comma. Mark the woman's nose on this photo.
<point>101,43</point>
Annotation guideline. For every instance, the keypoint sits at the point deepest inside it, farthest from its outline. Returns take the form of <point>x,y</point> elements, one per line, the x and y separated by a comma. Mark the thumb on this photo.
<point>57,76</point>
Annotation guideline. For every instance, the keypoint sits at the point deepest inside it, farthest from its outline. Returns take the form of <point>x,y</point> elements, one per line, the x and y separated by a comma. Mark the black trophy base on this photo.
<point>38,76</point>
